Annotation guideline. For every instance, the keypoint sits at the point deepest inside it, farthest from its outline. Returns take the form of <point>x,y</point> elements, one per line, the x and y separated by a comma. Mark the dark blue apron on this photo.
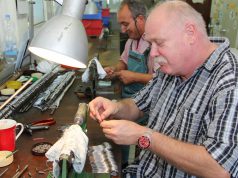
<point>137,62</point>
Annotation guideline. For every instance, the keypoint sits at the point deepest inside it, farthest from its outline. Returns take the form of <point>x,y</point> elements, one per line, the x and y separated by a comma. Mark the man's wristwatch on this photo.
<point>144,141</point>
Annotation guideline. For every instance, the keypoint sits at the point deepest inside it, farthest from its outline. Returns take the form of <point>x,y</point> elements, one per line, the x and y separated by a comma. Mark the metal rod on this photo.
<point>3,172</point>
<point>64,168</point>
<point>18,174</point>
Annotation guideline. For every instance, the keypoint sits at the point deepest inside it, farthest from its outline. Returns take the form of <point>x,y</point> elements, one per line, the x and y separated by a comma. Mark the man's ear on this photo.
<point>140,19</point>
<point>190,31</point>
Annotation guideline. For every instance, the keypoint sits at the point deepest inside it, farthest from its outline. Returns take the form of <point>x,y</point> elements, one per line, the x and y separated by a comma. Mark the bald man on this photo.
<point>192,102</point>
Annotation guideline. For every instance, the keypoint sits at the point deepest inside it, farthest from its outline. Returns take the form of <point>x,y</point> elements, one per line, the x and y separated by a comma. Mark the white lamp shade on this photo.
<point>63,38</point>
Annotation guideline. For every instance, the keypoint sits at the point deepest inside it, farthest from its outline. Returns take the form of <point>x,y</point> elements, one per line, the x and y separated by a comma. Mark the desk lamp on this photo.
<point>63,38</point>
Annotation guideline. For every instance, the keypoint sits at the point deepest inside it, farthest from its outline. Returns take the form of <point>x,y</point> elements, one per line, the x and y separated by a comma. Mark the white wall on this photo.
<point>113,5</point>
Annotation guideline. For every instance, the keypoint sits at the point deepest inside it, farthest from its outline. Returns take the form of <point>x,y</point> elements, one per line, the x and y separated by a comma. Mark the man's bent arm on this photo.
<point>191,158</point>
<point>120,66</point>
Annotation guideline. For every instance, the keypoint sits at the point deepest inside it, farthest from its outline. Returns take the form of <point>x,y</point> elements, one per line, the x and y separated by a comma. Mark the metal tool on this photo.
<point>3,172</point>
<point>89,88</point>
<point>19,173</point>
<point>11,154</point>
<point>66,164</point>
<point>81,114</point>
<point>30,129</point>
<point>39,125</point>
<point>94,86</point>
<point>93,77</point>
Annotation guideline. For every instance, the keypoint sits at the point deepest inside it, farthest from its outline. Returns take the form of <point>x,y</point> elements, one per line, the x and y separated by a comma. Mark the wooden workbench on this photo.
<point>63,115</point>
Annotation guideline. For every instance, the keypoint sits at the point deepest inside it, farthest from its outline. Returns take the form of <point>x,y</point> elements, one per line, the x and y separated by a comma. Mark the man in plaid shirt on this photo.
<point>192,102</point>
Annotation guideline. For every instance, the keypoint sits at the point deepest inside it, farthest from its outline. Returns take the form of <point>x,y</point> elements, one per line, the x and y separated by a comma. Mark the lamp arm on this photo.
<point>74,8</point>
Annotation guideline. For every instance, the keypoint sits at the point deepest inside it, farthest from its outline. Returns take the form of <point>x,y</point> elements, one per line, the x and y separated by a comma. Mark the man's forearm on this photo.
<point>142,78</point>
<point>127,109</point>
<point>191,158</point>
<point>120,66</point>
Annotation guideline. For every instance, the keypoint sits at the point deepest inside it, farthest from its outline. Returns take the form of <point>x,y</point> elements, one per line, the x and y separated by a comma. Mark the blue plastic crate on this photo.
<point>99,5</point>
<point>97,16</point>
<point>106,21</point>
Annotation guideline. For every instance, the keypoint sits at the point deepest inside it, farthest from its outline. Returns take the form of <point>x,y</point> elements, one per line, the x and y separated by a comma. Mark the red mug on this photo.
<point>8,135</point>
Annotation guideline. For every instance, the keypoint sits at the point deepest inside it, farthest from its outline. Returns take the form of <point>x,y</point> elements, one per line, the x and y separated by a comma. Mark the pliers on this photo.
<point>38,125</point>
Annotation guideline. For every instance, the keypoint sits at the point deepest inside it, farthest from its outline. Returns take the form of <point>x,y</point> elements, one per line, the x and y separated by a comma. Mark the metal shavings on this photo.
<point>42,148</point>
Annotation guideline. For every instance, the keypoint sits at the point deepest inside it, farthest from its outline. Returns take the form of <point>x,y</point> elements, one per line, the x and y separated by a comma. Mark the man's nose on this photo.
<point>154,51</point>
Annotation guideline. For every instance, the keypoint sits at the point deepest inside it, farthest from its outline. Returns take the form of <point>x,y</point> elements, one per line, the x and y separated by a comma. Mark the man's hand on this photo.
<point>126,76</point>
<point>122,131</point>
<point>110,72</point>
<point>102,108</point>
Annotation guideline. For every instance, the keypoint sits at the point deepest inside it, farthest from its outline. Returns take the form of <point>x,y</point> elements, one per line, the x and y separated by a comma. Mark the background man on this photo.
<point>192,103</point>
<point>134,68</point>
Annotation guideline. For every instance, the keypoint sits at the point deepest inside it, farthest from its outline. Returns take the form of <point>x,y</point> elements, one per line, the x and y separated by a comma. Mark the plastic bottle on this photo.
<point>10,46</point>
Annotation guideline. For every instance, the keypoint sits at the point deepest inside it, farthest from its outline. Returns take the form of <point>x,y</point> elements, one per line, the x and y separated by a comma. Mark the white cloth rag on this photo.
<point>100,70</point>
<point>46,66</point>
<point>73,140</point>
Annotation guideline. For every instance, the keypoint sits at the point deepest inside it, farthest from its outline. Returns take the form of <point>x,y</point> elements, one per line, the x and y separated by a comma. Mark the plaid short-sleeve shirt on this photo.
<point>201,110</point>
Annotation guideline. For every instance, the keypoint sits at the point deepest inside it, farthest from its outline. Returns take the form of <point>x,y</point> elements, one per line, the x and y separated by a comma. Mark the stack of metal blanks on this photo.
<point>102,160</point>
